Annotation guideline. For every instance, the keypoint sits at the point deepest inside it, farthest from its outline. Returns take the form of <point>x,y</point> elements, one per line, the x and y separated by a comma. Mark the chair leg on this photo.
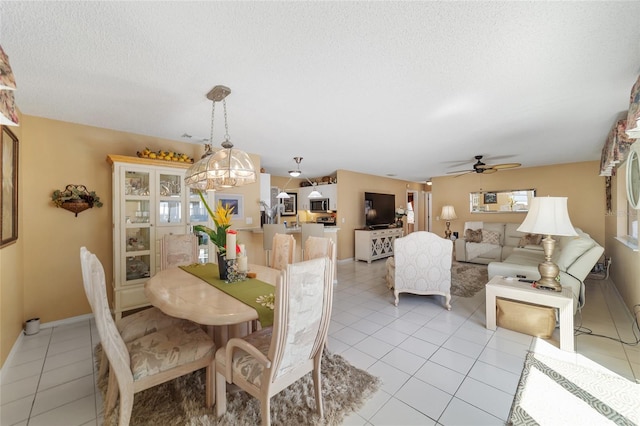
<point>211,383</point>
<point>112,394</point>
<point>126,406</point>
<point>265,410</point>
<point>221,394</point>
<point>317,387</point>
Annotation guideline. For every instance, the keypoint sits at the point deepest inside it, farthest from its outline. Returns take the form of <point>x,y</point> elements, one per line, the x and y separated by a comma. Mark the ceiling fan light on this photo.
<point>283,195</point>
<point>294,173</point>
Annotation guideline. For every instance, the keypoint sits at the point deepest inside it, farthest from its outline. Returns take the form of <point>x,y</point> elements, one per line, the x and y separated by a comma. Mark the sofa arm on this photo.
<point>461,249</point>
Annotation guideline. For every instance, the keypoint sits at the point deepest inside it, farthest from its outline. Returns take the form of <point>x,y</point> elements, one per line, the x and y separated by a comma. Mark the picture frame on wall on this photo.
<point>290,205</point>
<point>232,200</point>
<point>9,193</point>
<point>490,198</point>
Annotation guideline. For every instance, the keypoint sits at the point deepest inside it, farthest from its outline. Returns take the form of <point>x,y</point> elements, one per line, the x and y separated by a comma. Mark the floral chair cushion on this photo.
<point>145,322</point>
<point>168,348</point>
<point>244,364</point>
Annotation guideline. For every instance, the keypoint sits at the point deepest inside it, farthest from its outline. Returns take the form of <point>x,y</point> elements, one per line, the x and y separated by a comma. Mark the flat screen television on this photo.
<point>379,209</point>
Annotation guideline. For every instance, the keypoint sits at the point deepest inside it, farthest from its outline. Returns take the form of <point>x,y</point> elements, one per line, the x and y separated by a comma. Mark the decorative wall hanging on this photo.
<point>9,194</point>
<point>75,198</point>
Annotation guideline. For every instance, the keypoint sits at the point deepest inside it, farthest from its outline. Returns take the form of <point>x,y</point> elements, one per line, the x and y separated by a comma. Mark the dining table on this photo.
<point>183,295</point>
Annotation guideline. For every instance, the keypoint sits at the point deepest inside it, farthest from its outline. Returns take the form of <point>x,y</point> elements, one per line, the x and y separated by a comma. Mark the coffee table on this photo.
<point>513,289</point>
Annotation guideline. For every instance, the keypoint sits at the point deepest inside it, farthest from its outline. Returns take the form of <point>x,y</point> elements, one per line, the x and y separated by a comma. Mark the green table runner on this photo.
<point>248,292</point>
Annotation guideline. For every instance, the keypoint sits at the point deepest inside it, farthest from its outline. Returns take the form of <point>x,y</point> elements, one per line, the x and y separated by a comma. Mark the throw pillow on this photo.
<point>530,240</point>
<point>472,236</point>
<point>490,237</point>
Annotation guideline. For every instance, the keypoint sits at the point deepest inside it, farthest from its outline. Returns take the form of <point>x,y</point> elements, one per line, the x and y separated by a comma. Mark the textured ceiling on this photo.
<point>413,89</point>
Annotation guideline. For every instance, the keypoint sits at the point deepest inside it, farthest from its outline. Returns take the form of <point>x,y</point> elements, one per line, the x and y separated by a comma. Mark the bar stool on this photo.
<point>309,230</point>
<point>269,230</point>
<point>283,251</point>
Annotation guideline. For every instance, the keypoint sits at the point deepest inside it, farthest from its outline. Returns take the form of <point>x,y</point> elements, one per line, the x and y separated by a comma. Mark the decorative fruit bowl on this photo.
<point>164,155</point>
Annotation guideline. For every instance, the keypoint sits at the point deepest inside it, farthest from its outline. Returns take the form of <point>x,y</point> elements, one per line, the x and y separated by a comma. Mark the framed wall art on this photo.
<point>490,198</point>
<point>231,200</point>
<point>9,194</point>
<point>290,205</point>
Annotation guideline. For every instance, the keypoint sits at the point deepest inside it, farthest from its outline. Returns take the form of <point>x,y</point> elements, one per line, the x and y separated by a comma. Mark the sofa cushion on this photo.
<point>530,240</point>
<point>490,237</point>
<point>473,236</point>
<point>575,248</point>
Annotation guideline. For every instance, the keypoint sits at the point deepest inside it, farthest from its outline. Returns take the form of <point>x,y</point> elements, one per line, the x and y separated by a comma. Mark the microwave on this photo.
<point>318,205</point>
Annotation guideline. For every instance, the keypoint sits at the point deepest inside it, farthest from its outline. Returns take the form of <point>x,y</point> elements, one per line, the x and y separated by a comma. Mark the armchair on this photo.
<point>421,265</point>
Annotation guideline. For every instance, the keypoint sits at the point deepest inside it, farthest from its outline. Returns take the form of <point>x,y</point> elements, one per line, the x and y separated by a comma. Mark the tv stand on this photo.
<point>374,227</point>
<point>375,244</point>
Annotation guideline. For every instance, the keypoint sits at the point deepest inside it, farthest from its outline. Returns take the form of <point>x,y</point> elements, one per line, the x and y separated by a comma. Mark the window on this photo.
<point>632,224</point>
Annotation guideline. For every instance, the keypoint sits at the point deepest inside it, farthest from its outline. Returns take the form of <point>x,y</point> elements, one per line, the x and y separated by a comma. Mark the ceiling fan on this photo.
<point>480,167</point>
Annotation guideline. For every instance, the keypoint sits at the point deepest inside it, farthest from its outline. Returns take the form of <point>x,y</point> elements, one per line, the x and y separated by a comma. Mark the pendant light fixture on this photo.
<point>295,173</point>
<point>227,167</point>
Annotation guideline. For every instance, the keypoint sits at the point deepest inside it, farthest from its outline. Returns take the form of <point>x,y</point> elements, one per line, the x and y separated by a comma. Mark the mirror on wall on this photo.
<point>504,201</point>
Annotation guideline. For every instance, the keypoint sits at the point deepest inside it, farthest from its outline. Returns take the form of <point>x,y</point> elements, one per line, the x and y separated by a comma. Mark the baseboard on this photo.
<point>50,324</point>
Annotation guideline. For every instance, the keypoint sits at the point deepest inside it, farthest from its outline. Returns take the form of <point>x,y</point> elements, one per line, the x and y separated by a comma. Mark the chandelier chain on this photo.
<point>213,115</point>
<point>226,124</point>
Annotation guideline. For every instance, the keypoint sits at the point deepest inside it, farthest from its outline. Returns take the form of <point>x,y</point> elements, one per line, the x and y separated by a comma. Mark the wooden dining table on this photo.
<point>183,295</point>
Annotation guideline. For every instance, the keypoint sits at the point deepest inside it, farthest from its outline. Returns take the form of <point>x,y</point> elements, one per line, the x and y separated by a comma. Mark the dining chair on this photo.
<point>269,230</point>
<point>267,361</point>
<point>317,247</point>
<point>309,230</point>
<point>149,360</point>
<point>178,250</point>
<point>283,251</point>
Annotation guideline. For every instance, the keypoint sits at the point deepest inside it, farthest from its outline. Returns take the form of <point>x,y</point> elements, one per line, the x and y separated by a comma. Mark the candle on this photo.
<point>231,245</point>
<point>242,252</point>
<point>242,264</point>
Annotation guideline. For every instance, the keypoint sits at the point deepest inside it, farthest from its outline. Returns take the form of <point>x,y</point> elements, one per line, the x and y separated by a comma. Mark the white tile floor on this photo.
<point>437,366</point>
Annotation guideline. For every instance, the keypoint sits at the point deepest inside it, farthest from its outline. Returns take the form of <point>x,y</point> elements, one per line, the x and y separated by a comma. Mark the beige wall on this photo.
<point>577,181</point>
<point>11,272</point>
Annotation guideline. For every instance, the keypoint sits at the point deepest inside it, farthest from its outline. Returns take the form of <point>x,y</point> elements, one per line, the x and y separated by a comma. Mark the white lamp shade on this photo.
<point>448,213</point>
<point>548,216</point>
<point>282,195</point>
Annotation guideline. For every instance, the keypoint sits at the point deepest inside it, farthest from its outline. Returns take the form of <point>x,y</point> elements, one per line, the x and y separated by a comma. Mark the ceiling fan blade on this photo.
<point>461,171</point>
<point>506,166</point>
<point>489,171</point>
<point>462,174</point>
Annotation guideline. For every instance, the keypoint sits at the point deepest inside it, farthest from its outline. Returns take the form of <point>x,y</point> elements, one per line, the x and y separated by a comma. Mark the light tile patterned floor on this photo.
<point>438,367</point>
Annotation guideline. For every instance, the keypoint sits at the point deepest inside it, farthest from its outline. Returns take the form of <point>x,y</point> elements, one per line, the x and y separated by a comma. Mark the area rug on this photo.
<point>345,389</point>
<point>467,278</point>
<point>569,390</point>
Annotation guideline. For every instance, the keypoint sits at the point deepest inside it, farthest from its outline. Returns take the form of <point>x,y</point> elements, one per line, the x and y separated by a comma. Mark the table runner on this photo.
<point>247,291</point>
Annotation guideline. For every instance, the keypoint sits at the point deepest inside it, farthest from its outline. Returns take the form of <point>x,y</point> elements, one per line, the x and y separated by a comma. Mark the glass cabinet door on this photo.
<point>170,189</point>
<point>137,232</point>
<point>198,215</point>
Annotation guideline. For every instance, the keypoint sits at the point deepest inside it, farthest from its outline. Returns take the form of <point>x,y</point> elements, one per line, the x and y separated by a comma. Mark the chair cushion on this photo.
<point>490,237</point>
<point>244,364</point>
<point>168,348</point>
<point>530,240</point>
<point>144,322</point>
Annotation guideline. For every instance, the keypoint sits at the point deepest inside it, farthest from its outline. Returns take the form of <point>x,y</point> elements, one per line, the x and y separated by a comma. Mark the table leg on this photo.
<point>566,327</point>
<point>490,308</point>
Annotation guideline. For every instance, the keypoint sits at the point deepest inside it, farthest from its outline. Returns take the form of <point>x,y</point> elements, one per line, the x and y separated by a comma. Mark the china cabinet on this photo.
<point>150,200</point>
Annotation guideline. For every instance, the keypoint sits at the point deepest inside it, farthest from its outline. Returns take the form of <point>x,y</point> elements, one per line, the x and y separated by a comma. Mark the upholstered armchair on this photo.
<point>421,265</point>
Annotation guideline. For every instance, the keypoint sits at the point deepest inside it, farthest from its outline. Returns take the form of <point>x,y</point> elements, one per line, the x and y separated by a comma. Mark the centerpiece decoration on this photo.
<point>224,239</point>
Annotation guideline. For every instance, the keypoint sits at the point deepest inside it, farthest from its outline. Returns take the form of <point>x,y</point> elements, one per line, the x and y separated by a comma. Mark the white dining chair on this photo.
<point>149,360</point>
<point>178,250</point>
<point>267,361</point>
<point>309,230</point>
<point>268,231</point>
<point>283,251</point>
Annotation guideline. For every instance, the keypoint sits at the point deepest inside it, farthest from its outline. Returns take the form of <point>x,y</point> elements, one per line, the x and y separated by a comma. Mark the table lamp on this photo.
<point>448,214</point>
<point>548,216</point>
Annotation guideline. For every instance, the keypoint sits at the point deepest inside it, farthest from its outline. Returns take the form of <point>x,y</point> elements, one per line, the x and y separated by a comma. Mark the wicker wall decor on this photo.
<point>75,198</point>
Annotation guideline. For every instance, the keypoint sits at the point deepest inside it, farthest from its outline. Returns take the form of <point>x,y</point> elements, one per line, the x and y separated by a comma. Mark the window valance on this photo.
<point>615,149</point>
<point>633,117</point>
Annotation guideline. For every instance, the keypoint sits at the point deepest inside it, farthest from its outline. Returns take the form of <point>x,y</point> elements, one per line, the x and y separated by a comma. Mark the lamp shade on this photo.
<point>548,216</point>
<point>448,213</point>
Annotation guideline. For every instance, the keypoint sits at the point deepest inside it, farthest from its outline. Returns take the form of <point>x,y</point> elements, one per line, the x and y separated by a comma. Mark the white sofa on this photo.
<point>575,256</point>
<point>486,252</point>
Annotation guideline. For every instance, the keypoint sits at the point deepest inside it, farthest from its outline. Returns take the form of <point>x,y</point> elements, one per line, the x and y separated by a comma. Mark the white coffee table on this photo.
<point>524,292</point>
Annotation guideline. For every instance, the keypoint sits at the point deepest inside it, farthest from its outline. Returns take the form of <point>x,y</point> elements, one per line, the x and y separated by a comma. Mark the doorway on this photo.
<point>412,211</point>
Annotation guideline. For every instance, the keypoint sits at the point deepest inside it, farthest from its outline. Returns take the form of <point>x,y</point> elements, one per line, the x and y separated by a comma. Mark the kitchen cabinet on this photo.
<point>328,191</point>
<point>375,244</point>
<point>303,197</point>
<point>150,200</point>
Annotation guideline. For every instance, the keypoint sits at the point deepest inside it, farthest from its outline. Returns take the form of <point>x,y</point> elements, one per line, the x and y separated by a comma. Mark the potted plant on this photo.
<point>75,198</point>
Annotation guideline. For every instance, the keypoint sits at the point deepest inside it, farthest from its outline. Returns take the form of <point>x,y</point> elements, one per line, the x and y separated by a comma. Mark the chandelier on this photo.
<point>227,167</point>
